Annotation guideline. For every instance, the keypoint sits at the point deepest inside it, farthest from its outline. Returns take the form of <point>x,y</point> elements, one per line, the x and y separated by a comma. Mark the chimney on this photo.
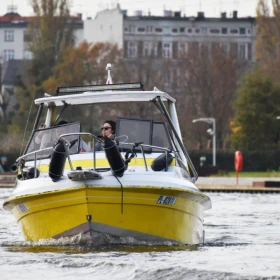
<point>234,14</point>
<point>167,13</point>
<point>138,13</point>
<point>224,15</point>
<point>200,14</point>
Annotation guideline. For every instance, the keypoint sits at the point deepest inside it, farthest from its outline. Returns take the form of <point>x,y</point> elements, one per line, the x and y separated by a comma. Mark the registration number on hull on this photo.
<point>168,200</point>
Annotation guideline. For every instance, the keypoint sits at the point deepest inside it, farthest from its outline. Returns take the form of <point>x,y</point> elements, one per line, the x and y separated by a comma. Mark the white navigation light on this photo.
<point>99,88</point>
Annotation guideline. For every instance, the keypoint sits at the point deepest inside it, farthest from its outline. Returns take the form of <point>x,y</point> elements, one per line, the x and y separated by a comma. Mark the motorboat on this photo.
<point>141,185</point>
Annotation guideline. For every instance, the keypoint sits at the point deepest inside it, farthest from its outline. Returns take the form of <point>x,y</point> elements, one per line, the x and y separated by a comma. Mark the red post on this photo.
<point>238,163</point>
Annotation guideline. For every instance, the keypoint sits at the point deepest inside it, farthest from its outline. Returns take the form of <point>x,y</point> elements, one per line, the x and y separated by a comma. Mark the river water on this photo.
<point>242,242</point>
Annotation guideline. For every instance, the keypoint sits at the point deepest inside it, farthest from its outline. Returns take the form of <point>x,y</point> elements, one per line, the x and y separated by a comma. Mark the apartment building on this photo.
<point>168,35</point>
<point>14,41</point>
<point>14,38</point>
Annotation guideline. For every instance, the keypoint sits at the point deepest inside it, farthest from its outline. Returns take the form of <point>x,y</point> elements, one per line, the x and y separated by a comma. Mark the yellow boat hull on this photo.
<point>111,211</point>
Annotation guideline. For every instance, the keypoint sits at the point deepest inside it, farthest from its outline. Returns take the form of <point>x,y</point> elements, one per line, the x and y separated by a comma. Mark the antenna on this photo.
<point>109,79</point>
<point>12,8</point>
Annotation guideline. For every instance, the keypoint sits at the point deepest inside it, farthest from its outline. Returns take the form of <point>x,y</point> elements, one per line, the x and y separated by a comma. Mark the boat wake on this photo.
<point>83,243</point>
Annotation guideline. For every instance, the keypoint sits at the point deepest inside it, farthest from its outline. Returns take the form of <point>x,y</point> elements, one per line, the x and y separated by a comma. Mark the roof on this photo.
<point>104,97</point>
<point>191,19</point>
<point>15,20</point>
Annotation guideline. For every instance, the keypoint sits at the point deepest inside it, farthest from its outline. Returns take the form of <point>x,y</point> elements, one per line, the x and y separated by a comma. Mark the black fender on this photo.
<point>114,158</point>
<point>57,162</point>
<point>162,162</point>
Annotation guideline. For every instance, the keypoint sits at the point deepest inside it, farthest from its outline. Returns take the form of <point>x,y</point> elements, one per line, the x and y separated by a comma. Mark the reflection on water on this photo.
<point>242,242</point>
<point>86,249</point>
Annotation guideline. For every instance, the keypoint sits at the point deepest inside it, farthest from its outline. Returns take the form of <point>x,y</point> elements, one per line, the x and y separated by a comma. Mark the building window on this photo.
<point>158,30</point>
<point>132,50</point>
<point>168,77</point>
<point>242,31</point>
<point>26,36</point>
<point>197,30</point>
<point>183,49</point>
<point>125,29</point>
<point>234,31</point>
<point>146,49</point>
<point>224,30</point>
<point>182,29</point>
<point>9,54</point>
<point>150,49</point>
<point>242,52</point>
<point>175,30</point>
<point>141,29</point>
<point>9,35</point>
<point>189,30</point>
<point>215,31</point>
<point>167,50</point>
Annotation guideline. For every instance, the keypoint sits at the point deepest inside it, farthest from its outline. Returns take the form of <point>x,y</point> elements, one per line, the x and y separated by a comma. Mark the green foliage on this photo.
<point>261,161</point>
<point>256,108</point>
<point>51,32</point>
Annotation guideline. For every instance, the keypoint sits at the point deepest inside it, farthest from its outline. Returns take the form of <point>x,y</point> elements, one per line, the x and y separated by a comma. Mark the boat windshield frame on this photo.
<point>156,96</point>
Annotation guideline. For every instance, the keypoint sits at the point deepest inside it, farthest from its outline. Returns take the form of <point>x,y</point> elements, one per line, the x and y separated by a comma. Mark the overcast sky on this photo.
<point>89,8</point>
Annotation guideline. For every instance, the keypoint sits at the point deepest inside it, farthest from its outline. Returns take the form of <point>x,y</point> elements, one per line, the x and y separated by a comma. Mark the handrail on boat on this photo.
<point>141,145</point>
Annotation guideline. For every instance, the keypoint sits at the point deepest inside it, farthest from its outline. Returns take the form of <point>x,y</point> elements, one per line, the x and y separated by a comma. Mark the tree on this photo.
<point>206,86</point>
<point>84,65</point>
<point>256,107</point>
<point>268,38</point>
<point>51,31</point>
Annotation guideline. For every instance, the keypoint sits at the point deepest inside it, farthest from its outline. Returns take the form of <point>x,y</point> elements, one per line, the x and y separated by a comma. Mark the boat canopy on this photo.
<point>104,97</point>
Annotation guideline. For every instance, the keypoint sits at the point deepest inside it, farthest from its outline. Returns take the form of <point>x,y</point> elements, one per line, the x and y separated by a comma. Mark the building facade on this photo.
<point>171,34</point>
<point>14,42</point>
<point>14,38</point>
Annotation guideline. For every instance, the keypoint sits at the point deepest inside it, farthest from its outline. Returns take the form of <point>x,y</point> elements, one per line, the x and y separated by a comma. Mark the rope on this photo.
<point>122,136</point>
<point>26,127</point>
<point>121,190</point>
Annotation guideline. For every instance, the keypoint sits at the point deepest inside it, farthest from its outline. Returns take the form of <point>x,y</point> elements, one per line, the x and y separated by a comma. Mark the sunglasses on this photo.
<point>105,127</point>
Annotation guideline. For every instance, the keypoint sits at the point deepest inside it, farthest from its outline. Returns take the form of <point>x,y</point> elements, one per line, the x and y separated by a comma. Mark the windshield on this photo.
<point>144,131</point>
<point>48,137</point>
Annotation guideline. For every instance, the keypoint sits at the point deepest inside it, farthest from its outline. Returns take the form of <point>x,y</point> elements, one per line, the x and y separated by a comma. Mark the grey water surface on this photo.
<point>242,242</point>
